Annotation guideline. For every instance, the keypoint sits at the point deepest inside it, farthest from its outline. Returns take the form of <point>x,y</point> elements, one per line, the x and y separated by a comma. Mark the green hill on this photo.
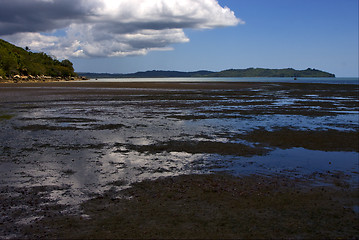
<point>18,61</point>
<point>264,72</point>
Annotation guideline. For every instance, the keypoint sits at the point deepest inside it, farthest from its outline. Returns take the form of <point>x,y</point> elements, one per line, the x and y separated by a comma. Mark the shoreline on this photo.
<point>161,85</point>
<point>177,83</point>
<point>139,84</point>
<point>39,80</point>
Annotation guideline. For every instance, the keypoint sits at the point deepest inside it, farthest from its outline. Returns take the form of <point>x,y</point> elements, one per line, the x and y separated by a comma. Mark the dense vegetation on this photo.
<point>18,61</point>
<point>249,72</point>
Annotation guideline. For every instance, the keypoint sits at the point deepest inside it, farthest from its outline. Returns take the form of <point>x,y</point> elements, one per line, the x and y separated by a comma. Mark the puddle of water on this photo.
<point>356,209</point>
<point>298,160</point>
<point>285,101</point>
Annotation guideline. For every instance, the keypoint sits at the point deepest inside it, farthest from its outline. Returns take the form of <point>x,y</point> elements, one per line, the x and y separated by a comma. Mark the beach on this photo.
<point>179,160</point>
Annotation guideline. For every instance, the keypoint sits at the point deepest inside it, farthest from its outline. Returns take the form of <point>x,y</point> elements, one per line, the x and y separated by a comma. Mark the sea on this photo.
<point>337,80</point>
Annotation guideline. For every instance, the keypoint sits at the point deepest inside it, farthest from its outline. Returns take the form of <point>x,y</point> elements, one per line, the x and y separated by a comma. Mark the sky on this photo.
<point>125,36</point>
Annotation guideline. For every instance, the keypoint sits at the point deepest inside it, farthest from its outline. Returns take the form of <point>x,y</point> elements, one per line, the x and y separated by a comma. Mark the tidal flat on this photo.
<point>179,160</point>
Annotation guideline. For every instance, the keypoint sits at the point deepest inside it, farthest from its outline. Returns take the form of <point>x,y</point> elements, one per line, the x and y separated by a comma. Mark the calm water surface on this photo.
<point>337,80</point>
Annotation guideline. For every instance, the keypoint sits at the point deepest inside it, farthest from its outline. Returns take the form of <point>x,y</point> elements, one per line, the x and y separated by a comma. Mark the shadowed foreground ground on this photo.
<point>212,206</point>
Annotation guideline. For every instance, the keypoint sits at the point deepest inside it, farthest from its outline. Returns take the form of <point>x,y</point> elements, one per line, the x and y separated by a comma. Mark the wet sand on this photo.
<point>74,154</point>
<point>138,84</point>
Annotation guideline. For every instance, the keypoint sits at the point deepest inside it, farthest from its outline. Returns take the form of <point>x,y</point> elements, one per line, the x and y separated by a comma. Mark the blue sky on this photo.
<point>125,36</point>
<point>321,34</point>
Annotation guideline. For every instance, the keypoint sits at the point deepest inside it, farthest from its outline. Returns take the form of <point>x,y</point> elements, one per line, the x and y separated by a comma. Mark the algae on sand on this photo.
<point>211,206</point>
<point>6,117</point>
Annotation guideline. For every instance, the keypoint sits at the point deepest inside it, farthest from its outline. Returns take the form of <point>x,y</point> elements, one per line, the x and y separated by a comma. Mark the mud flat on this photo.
<point>210,206</point>
<point>179,160</point>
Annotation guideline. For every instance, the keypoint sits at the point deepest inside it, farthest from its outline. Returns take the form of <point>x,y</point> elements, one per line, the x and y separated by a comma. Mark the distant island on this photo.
<point>249,72</point>
<point>22,65</point>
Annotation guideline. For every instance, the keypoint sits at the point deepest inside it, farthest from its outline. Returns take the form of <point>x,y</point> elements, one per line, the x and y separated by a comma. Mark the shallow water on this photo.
<point>296,162</point>
<point>337,80</point>
<point>88,140</point>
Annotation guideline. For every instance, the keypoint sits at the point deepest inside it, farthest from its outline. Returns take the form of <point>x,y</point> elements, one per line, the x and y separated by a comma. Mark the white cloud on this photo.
<point>105,28</point>
<point>35,41</point>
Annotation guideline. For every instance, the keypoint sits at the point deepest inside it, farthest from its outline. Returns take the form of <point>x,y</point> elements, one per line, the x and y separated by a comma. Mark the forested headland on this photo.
<point>17,63</point>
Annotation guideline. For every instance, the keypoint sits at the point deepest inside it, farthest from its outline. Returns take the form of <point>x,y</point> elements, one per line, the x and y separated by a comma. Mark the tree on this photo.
<point>67,63</point>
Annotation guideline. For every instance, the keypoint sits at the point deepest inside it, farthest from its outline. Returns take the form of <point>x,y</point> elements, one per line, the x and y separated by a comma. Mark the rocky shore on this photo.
<point>42,78</point>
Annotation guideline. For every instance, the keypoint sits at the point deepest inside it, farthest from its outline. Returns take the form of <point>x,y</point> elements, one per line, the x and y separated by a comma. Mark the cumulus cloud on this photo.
<point>102,28</point>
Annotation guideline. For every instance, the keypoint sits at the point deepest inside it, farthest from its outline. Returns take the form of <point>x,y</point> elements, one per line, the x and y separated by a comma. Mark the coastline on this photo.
<point>189,80</point>
<point>42,79</point>
<point>179,84</point>
<point>137,84</point>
